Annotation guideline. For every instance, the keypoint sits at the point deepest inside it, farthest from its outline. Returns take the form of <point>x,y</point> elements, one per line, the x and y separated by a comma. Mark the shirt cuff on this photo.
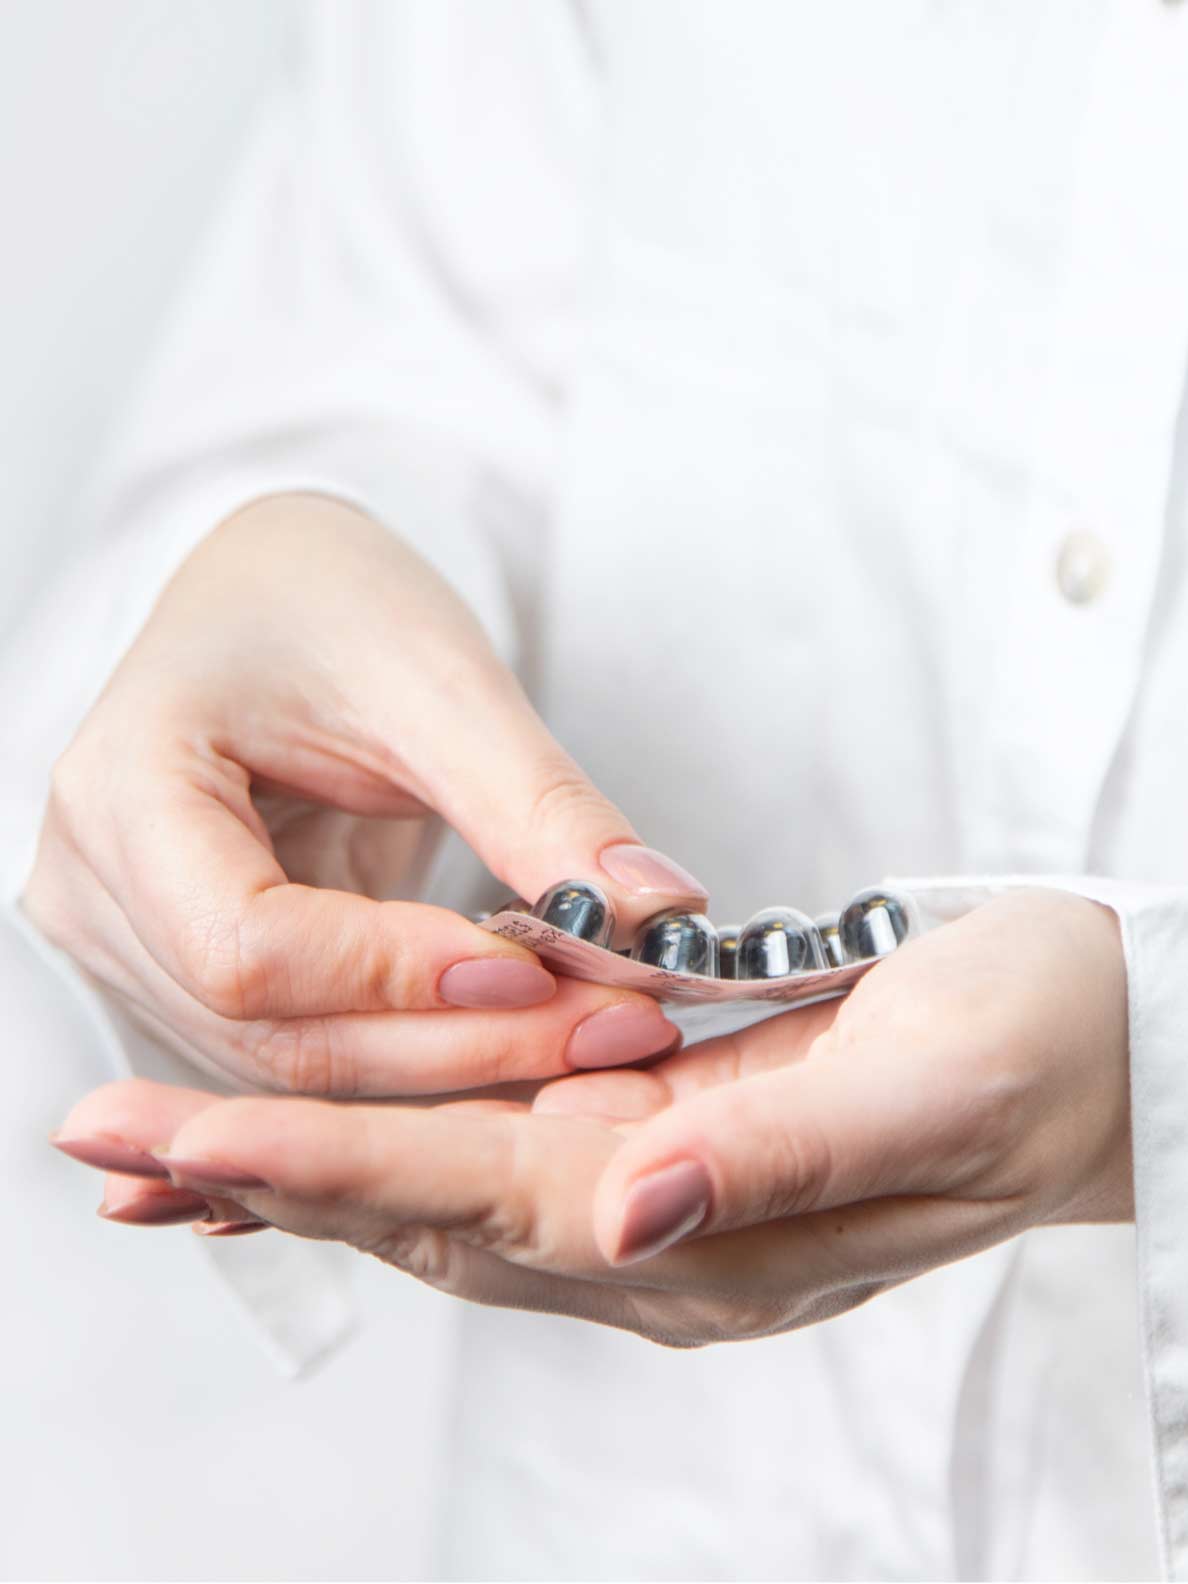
<point>1154,928</point>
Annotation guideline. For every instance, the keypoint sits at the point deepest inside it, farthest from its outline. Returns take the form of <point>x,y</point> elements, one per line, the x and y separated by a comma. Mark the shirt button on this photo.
<point>1082,568</point>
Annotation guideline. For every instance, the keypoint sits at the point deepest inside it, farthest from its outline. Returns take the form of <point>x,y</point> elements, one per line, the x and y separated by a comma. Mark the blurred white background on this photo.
<point>117,121</point>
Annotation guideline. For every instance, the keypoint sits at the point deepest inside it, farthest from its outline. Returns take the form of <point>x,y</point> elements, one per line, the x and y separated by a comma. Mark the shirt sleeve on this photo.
<point>1154,927</point>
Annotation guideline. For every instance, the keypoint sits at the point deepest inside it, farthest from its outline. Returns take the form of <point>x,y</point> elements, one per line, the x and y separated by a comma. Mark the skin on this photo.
<point>972,1086</point>
<point>229,856</point>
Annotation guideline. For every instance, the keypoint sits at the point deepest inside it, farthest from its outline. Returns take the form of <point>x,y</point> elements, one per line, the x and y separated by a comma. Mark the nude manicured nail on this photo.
<point>647,872</point>
<point>173,1209</point>
<point>229,1228</point>
<point>208,1174</point>
<point>662,1208</point>
<point>496,982</point>
<point>619,1034</point>
<point>109,1154</point>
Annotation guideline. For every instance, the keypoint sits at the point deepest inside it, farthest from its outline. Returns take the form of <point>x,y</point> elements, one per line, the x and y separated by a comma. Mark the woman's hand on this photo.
<point>265,766</point>
<point>973,1085</point>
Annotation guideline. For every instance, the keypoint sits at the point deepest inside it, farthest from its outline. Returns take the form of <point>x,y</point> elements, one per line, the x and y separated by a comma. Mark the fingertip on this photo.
<point>101,1105</point>
<point>644,872</point>
<point>238,1124</point>
<point>114,1127</point>
<point>659,1209</point>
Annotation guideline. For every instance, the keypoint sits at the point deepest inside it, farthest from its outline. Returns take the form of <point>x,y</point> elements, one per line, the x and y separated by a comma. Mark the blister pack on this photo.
<point>712,978</point>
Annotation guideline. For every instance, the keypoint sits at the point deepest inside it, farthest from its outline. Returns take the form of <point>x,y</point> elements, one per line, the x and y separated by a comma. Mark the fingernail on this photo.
<point>496,982</point>
<point>208,1174</point>
<point>662,1208</point>
<point>109,1154</point>
<point>172,1209</point>
<point>618,1034</point>
<point>647,872</point>
<point>229,1228</point>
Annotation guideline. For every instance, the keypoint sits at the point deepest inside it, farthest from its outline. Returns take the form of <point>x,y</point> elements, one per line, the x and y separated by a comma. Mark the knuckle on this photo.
<point>563,792</point>
<point>787,1167</point>
<point>426,1254</point>
<point>803,1164</point>
<point>220,987</point>
<point>69,784</point>
<point>230,975</point>
<point>511,1223</point>
<point>300,1056</point>
<point>391,975</point>
<point>500,1058</point>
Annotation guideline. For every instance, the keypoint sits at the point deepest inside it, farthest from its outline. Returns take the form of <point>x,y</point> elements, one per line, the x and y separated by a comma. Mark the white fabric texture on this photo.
<point>748,367</point>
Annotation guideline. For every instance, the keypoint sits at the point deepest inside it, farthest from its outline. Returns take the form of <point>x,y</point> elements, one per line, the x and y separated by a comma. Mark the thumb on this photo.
<point>782,1143</point>
<point>500,778</point>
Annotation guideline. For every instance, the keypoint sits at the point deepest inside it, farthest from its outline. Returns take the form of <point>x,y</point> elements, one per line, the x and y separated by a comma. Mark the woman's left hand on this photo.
<point>972,1085</point>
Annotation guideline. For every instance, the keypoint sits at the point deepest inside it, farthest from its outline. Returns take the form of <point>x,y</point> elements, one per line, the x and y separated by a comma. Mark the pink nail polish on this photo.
<point>496,982</point>
<point>229,1228</point>
<point>619,1034</point>
<point>171,1209</point>
<point>662,1208</point>
<point>208,1174</point>
<point>109,1154</point>
<point>647,872</point>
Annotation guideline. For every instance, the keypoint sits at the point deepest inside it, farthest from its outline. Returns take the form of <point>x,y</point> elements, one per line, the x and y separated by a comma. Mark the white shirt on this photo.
<point>794,392</point>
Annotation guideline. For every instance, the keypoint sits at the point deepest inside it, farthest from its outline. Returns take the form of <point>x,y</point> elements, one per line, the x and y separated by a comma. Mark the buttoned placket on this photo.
<point>1080,571</point>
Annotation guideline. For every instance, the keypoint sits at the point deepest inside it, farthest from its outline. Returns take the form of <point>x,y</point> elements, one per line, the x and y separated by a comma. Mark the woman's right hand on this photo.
<point>267,764</point>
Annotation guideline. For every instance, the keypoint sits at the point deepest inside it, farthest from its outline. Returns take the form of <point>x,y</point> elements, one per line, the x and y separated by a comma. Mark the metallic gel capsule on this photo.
<point>728,950</point>
<point>679,942</point>
<point>829,929</point>
<point>875,922</point>
<point>776,942</point>
<point>580,909</point>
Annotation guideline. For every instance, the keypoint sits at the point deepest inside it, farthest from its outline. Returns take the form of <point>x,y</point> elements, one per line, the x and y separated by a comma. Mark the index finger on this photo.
<point>512,1184</point>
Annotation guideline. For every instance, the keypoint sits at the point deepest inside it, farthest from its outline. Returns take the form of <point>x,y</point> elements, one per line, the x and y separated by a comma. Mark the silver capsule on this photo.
<point>678,942</point>
<point>580,909</point>
<point>829,929</point>
<point>728,950</point>
<point>776,942</point>
<point>875,922</point>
